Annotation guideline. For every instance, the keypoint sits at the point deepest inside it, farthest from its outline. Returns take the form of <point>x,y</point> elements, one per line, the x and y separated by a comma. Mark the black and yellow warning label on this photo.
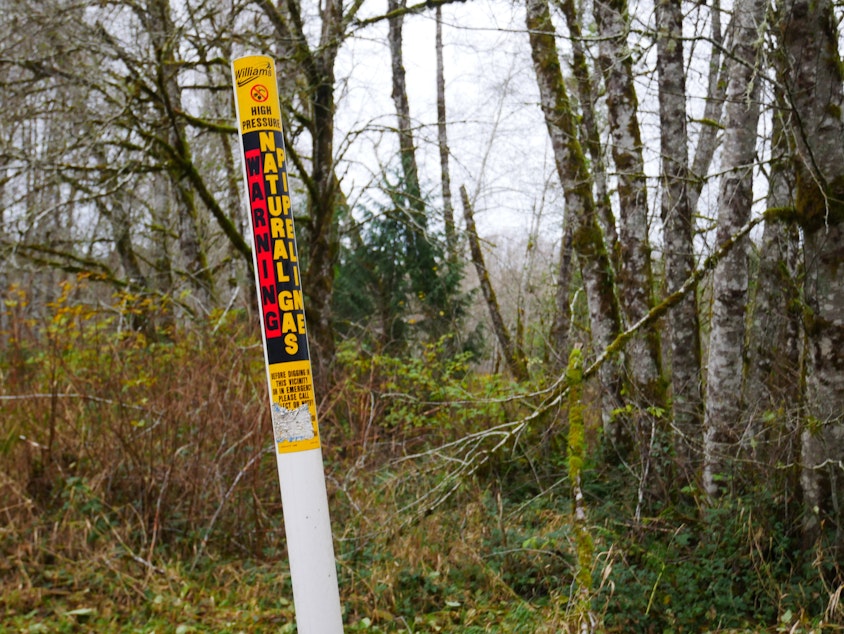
<point>275,254</point>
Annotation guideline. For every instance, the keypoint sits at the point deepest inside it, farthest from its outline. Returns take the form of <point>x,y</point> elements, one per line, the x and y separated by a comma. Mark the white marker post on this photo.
<point>307,525</point>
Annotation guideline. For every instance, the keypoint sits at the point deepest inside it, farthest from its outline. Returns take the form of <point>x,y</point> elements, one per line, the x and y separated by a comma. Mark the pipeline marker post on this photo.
<point>307,525</point>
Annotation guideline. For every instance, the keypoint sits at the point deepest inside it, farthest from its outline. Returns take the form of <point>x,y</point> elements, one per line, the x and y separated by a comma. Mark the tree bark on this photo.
<point>634,275</point>
<point>678,232</point>
<point>423,273</point>
<point>812,76</point>
<point>591,134</point>
<point>707,141</point>
<point>407,151</point>
<point>773,376</point>
<point>176,150</point>
<point>324,195</point>
<point>587,237</point>
<point>513,356</point>
<point>442,138</point>
<point>723,414</point>
<point>559,331</point>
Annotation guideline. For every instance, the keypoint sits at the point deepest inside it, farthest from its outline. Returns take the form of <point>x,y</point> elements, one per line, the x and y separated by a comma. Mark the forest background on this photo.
<point>572,275</point>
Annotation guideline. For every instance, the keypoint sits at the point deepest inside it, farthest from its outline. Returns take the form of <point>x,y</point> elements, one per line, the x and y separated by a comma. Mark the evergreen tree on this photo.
<point>395,284</point>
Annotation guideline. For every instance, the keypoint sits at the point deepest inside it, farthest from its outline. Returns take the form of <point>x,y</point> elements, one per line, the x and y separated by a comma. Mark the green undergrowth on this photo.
<point>138,493</point>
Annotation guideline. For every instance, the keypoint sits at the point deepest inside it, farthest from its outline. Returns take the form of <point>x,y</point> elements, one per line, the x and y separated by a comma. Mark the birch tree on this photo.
<point>676,210</point>
<point>773,374</point>
<point>634,275</point>
<point>573,172</point>
<point>723,413</point>
<point>810,71</point>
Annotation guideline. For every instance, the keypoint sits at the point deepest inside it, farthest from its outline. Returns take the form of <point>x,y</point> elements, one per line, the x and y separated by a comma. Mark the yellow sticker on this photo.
<point>256,94</point>
<point>293,406</point>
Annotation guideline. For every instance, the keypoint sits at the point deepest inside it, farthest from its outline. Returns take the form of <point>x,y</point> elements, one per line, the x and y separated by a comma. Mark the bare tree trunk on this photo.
<point>323,199</point>
<point>236,216</point>
<point>161,278</point>
<point>678,232</point>
<point>812,75</point>
<point>587,237</point>
<point>723,414</point>
<point>423,274</point>
<point>120,218</point>
<point>442,137</point>
<point>513,355</point>
<point>822,477</point>
<point>407,151</point>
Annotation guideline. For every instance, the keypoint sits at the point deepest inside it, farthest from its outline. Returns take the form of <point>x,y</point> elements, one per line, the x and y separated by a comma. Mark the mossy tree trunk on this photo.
<point>174,145</point>
<point>587,237</point>
<point>513,355</point>
<point>407,152</point>
<point>442,141</point>
<point>634,272</point>
<point>585,620</point>
<point>558,333</point>
<point>587,93</point>
<point>812,75</point>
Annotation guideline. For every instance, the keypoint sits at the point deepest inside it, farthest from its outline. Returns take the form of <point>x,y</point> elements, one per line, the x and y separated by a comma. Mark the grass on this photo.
<point>138,493</point>
<point>106,594</point>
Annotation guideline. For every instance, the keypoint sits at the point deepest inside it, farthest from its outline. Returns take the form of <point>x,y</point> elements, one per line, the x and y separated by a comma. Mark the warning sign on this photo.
<point>259,93</point>
<point>275,256</point>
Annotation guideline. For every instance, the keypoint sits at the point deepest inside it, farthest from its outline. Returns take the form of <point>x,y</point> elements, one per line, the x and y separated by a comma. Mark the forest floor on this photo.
<point>139,493</point>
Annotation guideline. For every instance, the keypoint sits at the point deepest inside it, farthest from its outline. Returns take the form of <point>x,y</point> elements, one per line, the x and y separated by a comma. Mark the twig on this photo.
<point>226,496</point>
